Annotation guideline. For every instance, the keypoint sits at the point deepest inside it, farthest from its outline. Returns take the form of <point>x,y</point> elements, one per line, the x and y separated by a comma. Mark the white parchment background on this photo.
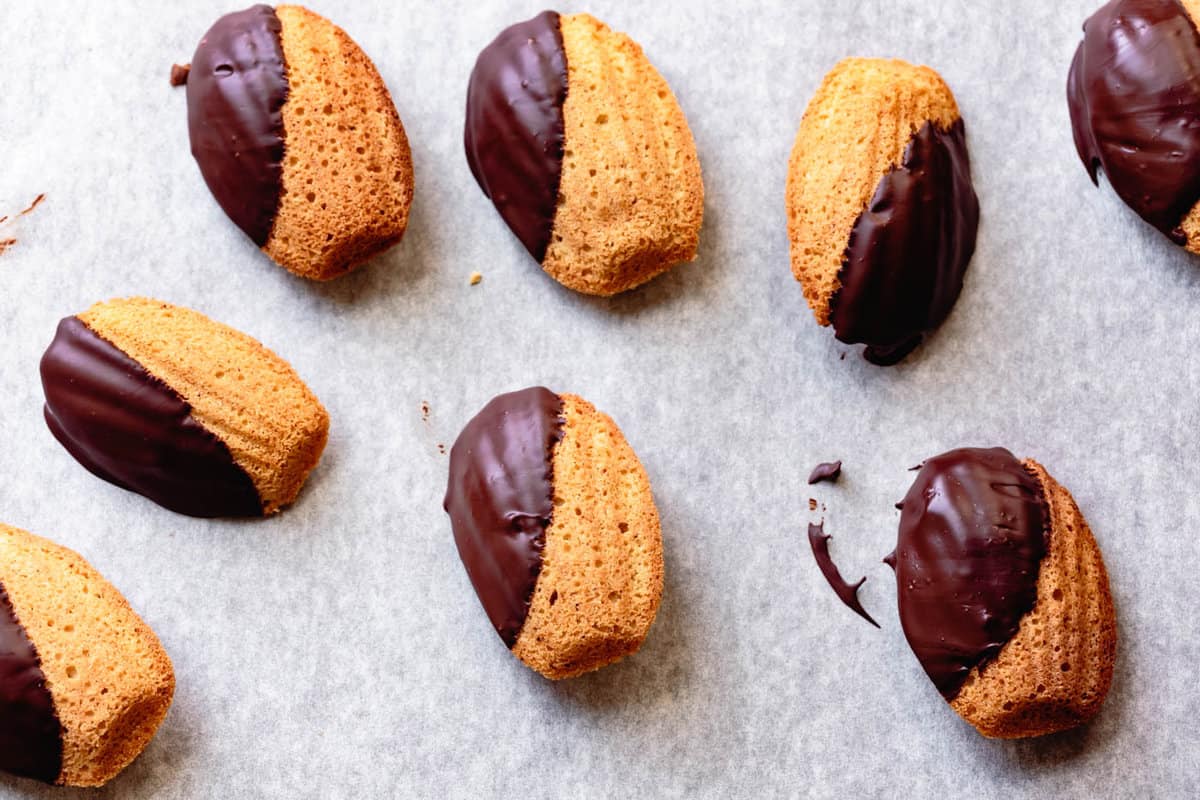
<point>338,650</point>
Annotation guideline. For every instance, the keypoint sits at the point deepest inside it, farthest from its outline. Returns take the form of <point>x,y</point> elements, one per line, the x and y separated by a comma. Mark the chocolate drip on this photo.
<point>908,251</point>
<point>30,732</point>
<point>129,428</point>
<point>500,498</point>
<point>514,129</point>
<point>236,89</point>
<point>1134,96</point>
<point>818,539</point>
<point>972,536</point>
<point>829,471</point>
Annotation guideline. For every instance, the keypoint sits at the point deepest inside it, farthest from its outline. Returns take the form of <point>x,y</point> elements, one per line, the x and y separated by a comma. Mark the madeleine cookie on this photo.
<point>298,139</point>
<point>84,682</point>
<point>584,151</point>
<point>165,402</point>
<point>1003,594</point>
<point>1134,96</point>
<point>882,213</point>
<point>556,525</point>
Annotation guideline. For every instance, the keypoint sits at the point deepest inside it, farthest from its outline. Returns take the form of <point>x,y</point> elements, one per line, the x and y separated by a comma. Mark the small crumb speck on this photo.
<point>179,74</point>
<point>476,277</point>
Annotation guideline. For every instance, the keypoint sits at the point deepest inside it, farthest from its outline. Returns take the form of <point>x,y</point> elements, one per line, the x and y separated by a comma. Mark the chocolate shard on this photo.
<point>1134,97</point>
<point>514,129</point>
<point>818,539</point>
<point>236,89</point>
<point>909,250</point>
<point>131,429</point>
<point>972,536</point>
<point>31,742</point>
<point>829,471</point>
<point>500,496</point>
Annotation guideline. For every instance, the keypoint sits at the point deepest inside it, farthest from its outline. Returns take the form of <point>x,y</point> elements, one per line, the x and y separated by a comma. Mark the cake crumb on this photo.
<point>476,277</point>
<point>179,74</point>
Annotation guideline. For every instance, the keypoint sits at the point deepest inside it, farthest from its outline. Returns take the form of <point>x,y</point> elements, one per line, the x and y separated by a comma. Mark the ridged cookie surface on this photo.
<point>1003,594</point>
<point>1056,671</point>
<point>556,524</point>
<point>881,212</point>
<point>298,139</point>
<point>85,682</point>
<point>195,415</point>
<point>584,150</point>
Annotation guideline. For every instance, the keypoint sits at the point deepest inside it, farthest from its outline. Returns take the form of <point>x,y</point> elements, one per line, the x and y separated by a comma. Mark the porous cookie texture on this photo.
<point>1055,673</point>
<point>108,676</point>
<point>881,213</point>
<point>347,168</point>
<point>631,199</point>
<point>244,394</point>
<point>855,130</point>
<point>299,140</point>
<point>585,152</point>
<point>602,569</point>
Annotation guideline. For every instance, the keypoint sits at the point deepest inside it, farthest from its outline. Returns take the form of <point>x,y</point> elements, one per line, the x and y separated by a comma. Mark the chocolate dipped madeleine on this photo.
<point>882,214</point>
<point>198,417</point>
<point>1134,97</point>
<point>583,149</point>
<point>1003,594</point>
<point>84,682</point>
<point>556,525</point>
<point>299,140</point>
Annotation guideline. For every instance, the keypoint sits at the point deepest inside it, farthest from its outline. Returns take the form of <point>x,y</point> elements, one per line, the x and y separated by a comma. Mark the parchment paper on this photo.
<point>338,650</point>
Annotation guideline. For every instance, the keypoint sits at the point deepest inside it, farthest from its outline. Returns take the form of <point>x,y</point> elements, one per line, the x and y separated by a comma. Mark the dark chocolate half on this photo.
<point>1134,95</point>
<point>818,539</point>
<point>30,732</point>
<point>500,497</point>
<point>131,429</point>
<point>236,89</point>
<point>514,129</point>
<point>908,251</point>
<point>972,536</point>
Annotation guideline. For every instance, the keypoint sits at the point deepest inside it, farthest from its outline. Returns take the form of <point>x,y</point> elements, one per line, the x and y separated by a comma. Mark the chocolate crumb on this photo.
<point>179,74</point>
<point>441,448</point>
<point>424,410</point>
<point>829,471</point>
<point>812,504</point>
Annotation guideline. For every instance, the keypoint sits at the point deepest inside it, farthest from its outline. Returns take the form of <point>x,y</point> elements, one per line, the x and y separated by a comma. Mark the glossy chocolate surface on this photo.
<point>236,88</point>
<point>514,129</point>
<point>1134,97</point>
<point>500,497</point>
<point>30,732</point>
<point>972,536</point>
<point>131,429</point>
<point>909,250</point>
<point>818,539</point>
<point>829,471</point>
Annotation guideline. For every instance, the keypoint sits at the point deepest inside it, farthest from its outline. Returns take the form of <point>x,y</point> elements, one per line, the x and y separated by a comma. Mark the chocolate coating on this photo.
<point>514,129</point>
<point>1134,96</point>
<point>972,536</point>
<point>30,732</point>
<point>500,497</point>
<point>236,89</point>
<point>818,539</point>
<point>129,428</point>
<point>908,251</point>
